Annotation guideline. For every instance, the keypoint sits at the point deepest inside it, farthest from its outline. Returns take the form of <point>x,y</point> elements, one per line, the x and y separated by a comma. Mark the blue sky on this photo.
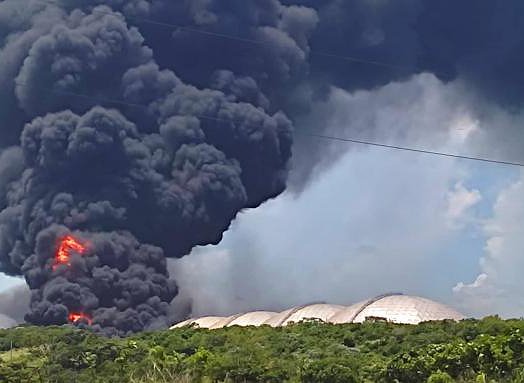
<point>462,254</point>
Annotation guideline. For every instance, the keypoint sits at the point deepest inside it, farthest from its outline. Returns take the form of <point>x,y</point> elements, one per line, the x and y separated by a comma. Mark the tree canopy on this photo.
<point>488,350</point>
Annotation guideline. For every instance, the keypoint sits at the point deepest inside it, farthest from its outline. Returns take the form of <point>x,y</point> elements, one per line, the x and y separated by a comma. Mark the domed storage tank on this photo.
<point>319,311</point>
<point>255,318</point>
<point>203,322</point>
<point>396,308</point>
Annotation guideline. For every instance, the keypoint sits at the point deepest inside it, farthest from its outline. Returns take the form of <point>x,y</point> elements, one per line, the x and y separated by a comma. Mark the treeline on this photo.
<point>489,350</point>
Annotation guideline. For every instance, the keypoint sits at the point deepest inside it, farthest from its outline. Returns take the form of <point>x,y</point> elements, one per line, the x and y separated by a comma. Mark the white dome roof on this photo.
<point>395,308</point>
<point>279,318</point>
<point>203,322</point>
<point>348,314</point>
<point>255,318</point>
<point>315,311</point>
<point>407,309</point>
<point>224,321</point>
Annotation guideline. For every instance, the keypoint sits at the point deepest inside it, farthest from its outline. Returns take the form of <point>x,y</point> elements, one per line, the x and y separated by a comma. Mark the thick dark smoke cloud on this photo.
<point>136,185</point>
<point>122,283</point>
<point>480,42</point>
<point>146,139</point>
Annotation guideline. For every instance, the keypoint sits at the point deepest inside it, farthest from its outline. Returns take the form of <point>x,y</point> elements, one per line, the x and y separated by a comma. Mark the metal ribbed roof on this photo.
<point>395,308</point>
<point>255,318</point>
<point>407,309</point>
<point>315,311</point>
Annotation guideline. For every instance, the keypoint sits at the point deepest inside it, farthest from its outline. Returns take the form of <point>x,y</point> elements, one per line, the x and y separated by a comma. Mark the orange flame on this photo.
<point>76,317</point>
<point>67,245</point>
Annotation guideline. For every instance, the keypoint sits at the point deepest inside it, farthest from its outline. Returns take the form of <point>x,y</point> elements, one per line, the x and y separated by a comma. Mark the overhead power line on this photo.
<point>409,149</point>
<point>301,133</point>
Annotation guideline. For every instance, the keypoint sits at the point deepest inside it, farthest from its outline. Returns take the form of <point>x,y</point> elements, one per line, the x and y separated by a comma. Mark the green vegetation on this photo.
<point>485,351</point>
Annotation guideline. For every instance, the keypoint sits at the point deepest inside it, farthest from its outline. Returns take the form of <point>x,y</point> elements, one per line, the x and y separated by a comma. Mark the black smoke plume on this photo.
<point>149,178</point>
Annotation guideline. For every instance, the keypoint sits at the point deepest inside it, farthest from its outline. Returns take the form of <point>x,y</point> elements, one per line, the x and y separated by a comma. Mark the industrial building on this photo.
<point>395,308</point>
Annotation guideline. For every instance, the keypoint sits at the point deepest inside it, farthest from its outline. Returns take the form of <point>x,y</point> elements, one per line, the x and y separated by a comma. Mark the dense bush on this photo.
<point>490,350</point>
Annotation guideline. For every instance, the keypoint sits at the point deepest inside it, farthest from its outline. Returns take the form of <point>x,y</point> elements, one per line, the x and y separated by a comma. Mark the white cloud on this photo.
<point>362,229</point>
<point>498,289</point>
<point>479,283</point>
<point>376,221</point>
<point>423,113</point>
<point>462,128</point>
<point>460,201</point>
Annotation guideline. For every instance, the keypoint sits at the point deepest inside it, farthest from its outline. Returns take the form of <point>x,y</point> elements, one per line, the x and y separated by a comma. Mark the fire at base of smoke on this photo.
<point>66,247</point>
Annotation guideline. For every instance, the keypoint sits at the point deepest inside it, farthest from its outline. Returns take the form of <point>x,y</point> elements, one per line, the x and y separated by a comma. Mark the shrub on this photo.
<point>440,377</point>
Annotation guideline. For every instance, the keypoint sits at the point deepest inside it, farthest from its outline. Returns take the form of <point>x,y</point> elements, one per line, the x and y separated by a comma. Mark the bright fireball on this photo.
<point>66,246</point>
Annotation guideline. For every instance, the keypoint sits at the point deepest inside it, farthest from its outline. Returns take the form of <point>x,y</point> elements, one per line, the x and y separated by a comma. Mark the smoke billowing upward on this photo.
<point>136,185</point>
<point>145,139</point>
